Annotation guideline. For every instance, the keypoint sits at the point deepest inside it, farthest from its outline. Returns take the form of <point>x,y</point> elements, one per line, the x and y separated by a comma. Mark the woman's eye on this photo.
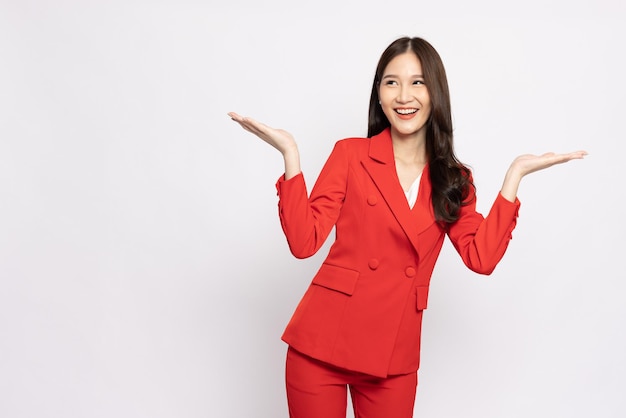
<point>391,83</point>
<point>418,82</point>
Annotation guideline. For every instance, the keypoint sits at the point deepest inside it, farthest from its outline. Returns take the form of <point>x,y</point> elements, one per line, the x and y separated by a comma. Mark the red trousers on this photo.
<point>318,390</point>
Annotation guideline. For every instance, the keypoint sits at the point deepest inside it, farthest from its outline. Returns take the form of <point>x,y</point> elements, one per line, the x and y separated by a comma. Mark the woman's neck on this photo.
<point>409,149</point>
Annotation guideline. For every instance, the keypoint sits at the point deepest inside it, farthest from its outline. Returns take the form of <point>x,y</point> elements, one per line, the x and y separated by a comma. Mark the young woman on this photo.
<point>392,197</point>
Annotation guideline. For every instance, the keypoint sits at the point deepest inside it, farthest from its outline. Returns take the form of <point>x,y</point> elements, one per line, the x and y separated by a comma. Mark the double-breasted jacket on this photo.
<point>363,309</point>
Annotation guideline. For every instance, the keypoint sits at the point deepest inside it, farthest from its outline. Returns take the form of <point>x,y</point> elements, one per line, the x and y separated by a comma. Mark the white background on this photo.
<point>143,272</point>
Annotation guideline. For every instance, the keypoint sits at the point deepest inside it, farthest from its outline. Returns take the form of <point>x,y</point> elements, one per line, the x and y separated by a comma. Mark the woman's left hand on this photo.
<point>528,163</point>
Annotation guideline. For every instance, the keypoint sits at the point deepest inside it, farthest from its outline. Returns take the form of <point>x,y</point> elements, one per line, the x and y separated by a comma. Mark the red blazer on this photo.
<point>363,309</point>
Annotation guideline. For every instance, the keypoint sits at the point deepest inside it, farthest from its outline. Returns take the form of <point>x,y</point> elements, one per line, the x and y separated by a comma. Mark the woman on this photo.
<point>392,197</point>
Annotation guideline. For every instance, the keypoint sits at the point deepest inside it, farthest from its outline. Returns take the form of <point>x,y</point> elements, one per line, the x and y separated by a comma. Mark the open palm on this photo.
<point>528,163</point>
<point>278,138</point>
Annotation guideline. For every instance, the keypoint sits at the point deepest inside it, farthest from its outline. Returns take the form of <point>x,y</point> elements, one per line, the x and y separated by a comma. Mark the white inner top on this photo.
<point>411,194</point>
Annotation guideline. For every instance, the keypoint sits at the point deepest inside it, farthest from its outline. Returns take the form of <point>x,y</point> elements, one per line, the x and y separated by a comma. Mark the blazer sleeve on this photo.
<point>307,221</point>
<point>482,242</point>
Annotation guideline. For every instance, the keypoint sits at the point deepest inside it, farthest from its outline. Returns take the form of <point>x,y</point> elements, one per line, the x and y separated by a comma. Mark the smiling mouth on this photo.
<point>406,111</point>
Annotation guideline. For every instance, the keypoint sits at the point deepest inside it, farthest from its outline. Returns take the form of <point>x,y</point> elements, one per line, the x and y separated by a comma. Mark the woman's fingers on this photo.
<point>529,163</point>
<point>278,138</point>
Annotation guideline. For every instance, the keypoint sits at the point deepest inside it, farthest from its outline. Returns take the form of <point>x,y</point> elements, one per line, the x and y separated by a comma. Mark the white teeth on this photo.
<point>406,111</point>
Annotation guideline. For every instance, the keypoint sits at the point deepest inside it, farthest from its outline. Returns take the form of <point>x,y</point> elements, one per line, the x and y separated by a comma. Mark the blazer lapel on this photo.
<point>381,168</point>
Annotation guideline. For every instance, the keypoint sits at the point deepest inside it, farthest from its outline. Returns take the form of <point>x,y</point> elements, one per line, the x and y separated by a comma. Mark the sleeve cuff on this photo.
<point>508,205</point>
<point>295,181</point>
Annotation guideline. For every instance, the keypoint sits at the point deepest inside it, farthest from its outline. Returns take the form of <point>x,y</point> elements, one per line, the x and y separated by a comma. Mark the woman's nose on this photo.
<point>403,95</point>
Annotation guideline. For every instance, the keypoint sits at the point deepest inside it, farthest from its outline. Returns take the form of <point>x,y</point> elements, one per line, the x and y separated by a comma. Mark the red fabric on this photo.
<point>363,309</point>
<point>319,390</point>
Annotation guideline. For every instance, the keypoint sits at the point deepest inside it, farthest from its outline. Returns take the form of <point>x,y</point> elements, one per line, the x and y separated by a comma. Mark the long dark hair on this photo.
<point>451,180</point>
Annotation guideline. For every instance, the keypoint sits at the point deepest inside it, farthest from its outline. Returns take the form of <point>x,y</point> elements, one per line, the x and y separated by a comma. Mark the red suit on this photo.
<point>363,309</point>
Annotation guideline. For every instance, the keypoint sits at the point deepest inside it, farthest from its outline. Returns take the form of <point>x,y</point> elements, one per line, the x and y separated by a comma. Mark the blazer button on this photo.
<point>372,200</point>
<point>409,271</point>
<point>373,263</point>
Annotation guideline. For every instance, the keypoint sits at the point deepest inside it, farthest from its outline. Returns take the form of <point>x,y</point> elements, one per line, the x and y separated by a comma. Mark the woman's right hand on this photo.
<point>280,139</point>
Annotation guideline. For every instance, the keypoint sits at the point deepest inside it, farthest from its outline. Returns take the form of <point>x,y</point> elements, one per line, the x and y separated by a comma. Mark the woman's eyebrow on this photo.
<point>395,76</point>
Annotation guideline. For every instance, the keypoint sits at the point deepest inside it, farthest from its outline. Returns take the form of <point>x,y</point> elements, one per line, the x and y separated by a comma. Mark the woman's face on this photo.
<point>404,97</point>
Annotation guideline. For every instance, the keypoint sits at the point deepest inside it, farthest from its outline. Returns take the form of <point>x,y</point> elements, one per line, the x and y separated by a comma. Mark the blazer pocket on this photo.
<point>422,297</point>
<point>337,278</point>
